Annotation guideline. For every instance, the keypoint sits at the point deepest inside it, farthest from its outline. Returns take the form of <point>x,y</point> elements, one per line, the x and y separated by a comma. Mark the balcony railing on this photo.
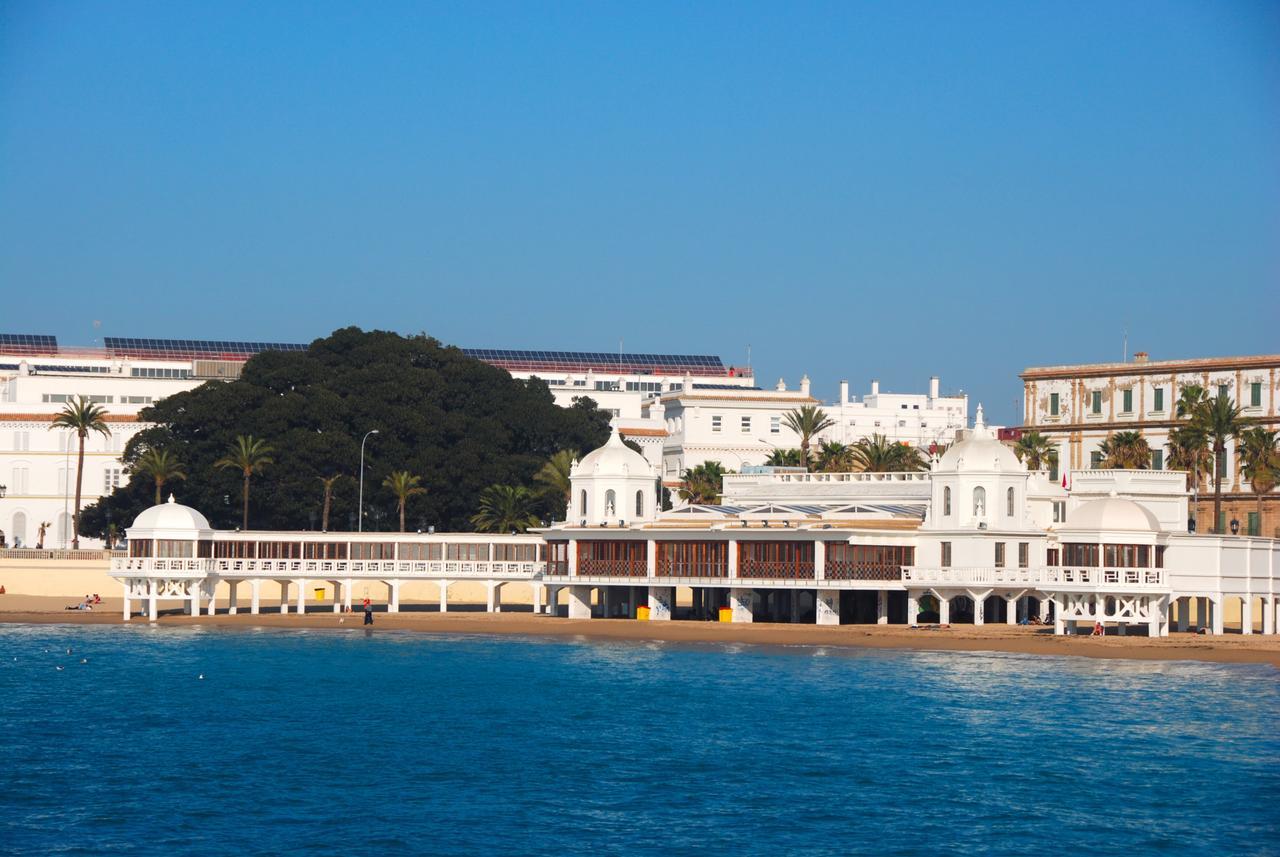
<point>322,568</point>
<point>34,553</point>
<point>775,569</point>
<point>692,569</point>
<point>613,567</point>
<point>1114,578</point>
<point>844,570</point>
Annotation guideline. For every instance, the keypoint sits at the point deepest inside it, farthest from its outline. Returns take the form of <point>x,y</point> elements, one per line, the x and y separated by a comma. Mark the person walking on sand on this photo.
<point>368,612</point>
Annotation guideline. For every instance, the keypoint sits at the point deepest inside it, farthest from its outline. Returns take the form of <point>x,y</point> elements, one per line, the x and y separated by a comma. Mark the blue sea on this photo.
<point>305,742</point>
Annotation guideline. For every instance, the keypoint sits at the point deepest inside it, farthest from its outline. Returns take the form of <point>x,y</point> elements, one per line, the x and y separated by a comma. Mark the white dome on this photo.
<point>170,516</point>
<point>1112,514</point>
<point>978,450</point>
<point>615,458</point>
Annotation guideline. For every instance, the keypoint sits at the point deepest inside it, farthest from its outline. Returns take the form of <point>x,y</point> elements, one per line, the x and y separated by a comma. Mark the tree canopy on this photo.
<point>461,424</point>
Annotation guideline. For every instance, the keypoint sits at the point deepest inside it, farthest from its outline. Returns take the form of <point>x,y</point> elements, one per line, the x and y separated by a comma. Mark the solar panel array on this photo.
<point>599,361</point>
<point>192,349</point>
<point>28,343</point>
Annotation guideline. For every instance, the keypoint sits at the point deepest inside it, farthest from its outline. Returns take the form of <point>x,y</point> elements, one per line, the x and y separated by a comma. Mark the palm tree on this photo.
<point>807,421</point>
<point>703,483</point>
<point>554,476</point>
<point>1188,449</point>
<point>328,482</point>
<point>1126,450</point>
<point>1189,399</point>
<point>249,455</point>
<point>404,485</point>
<point>878,454</point>
<point>81,417</point>
<point>1219,419</point>
<point>161,466</point>
<point>1259,451</point>
<point>783,458</point>
<point>505,508</point>
<point>836,457</point>
<point>1036,451</point>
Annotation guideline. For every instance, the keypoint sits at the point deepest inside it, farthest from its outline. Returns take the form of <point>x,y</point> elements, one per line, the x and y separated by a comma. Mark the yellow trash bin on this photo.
<point>726,614</point>
<point>319,593</point>
<point>642,613</point>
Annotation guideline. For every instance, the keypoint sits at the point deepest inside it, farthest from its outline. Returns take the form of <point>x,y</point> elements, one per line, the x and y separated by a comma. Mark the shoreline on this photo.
<point>1252,649</point>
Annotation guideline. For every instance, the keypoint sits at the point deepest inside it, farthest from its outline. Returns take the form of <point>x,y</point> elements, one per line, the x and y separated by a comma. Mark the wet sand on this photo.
<point>1229,648</point>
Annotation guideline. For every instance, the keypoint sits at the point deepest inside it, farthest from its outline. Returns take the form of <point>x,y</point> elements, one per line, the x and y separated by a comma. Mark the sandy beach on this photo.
<point>987,638</point>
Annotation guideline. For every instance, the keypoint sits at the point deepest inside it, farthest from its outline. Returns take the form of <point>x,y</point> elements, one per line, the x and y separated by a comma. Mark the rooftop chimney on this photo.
<point>875,388</point>
<point>933,387</point>
<point>844,392</point>
<point>1140,357</point>
<point>804,385</point>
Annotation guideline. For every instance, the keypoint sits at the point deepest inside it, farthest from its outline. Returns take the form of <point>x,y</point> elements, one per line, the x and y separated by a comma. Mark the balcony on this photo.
<point>776,569</point>
<point>843,570</point>
<point>1054,577</point>
<point>591,567</point>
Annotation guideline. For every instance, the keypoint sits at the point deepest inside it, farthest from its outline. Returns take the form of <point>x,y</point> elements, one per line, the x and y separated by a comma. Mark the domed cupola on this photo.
<point>169,520</point>
<point>612,485</point>
<point>978,483</point>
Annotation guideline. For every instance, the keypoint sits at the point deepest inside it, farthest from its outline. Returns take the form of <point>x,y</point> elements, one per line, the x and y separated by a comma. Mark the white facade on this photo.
<point>741,427</point>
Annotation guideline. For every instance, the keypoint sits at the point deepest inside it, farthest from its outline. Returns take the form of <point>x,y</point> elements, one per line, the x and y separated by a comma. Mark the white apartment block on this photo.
<point>1080,406</point>
<point>740,426</point>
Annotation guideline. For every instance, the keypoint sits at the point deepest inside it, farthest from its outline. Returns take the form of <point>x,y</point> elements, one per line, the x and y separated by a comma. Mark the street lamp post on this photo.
<point>360,505</point>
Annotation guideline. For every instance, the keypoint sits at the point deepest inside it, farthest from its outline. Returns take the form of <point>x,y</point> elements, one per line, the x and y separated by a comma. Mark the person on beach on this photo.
<point>1097,630</point>
<point>368,612</point>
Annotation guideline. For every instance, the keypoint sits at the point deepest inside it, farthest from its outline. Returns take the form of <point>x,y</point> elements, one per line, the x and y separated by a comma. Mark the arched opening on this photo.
<point>639,504</point>
<point>979,501</point>
<point>18,532</point>
<point>1008,502</point>
<point>64,529</point>
<point>582,503</point>
<point>946,501</point>
<point>610,503</point>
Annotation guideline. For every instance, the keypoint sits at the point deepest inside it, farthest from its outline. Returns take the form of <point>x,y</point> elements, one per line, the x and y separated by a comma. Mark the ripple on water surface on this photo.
<point>298,742</point>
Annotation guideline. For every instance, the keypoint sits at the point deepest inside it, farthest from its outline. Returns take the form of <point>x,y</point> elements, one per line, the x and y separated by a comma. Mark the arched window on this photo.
<point>639,504</point>
<point>18,532</point>
<point>946,500</point>
<point>582,503</point>
<point>979,501</point>
<point>610,503</point>
<point>1008,502</point>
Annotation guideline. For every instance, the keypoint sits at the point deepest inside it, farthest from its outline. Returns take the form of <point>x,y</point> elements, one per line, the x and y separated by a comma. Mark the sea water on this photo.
<point>214,741</point>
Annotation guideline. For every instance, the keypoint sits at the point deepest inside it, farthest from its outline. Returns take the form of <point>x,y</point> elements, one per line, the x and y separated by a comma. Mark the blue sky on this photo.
<point>855,190</point>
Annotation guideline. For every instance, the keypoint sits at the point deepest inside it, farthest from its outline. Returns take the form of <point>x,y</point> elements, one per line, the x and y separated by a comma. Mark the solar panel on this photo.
<point>584,361</point>
<point>191,349</point>
<point>28,343</point>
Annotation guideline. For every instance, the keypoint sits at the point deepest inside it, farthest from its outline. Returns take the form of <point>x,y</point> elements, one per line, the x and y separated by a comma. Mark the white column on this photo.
<point>444,595</point>
<point>494,604</point>
<point>979,610</point>
<point>537,597</point>
<point>284,597</point>
<point>346,594</point>
<point>302,597</point>
<point>1044,610</point>
<point>128,612</point>
<point>882,607</point>
<point>1246,614</point>
<point>193,596</point>
<point>661,600</point>
<point>1202,614</point>
<point>1184,607</point>
<point>553,597</point>
<point>579,602</point>
<point>1216,611</point>
<point>1011,611</point>
<point>153,609</point>
<point>1154,607</point>
<point>393,592</point>
<point>733,559</point>
<point>255,595</point>
<point>573,557</point>
<point>944,611</point>
<point>651,561</point>
<point>1059,626</point>
<point>231,606</point>
<point>820,560</point>
<point>913,607</point>
<point>740,602</point>
<point>1268,616</point>
<point>828,607</point>
<point>213,598</point>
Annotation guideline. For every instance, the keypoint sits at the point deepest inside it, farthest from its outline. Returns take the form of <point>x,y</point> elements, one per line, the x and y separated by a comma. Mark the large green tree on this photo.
<point>878,454</point>
<point>461,424</point>
<point>80,416</point>
<point>160,466</point>
<point>703,483</point>
<point>807,421</point>
<point>506,509</point>
<point>1126,450</point>
<point>1036,451</point>
<point>403,485</point>
<point>247,455</point>
<point>1218,418</point>
<point>1259,451</point>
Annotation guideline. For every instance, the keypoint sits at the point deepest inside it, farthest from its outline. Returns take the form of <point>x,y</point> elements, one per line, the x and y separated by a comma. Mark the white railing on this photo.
<point>321,568</point>
<point>58,553</point>
<point>160,567</point>
<point>1053,576</point>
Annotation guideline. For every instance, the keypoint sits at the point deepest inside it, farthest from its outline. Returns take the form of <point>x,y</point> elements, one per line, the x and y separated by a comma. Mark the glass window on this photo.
<point>775,425</point>
<point>946,554</point>
<point>946,500</point>
<point>1024,554</point>
<point>1157,459</point>
<point>1255,394</point>
<point>1222,389</point>
<point>979,501</point>
<point>1053,404</point>
<point>1128,401</point>
<point>746,425</point>
<point>1095,460</point>
<point>715,422</point>
<point>1255,527</point>
<point>1008,502</point>
<point>582,502</point>
<point>1095,404</point>
<point>639,504</point>
<point>999,554</point>
<point>1158,400</point>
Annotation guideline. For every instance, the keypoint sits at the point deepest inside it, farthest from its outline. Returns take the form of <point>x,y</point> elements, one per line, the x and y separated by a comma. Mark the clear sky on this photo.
<point>855,190</point>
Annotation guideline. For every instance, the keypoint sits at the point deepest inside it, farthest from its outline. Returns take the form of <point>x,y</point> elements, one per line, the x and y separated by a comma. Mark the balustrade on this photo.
<point>749,567</point>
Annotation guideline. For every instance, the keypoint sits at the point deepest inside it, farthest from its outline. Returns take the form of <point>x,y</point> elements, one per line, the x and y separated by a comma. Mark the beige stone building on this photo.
<point>1080,406</point>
